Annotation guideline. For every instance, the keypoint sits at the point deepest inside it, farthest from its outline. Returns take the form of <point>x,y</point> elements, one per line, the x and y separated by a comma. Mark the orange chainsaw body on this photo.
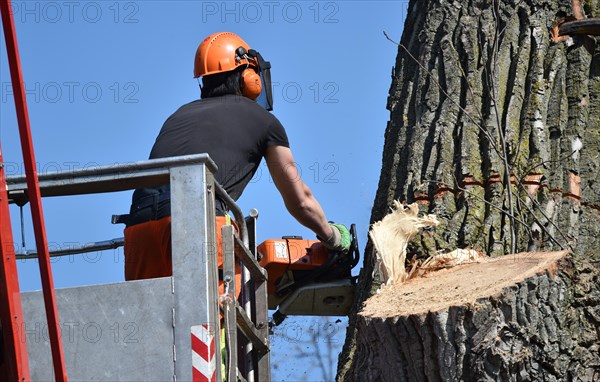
<point>307,279</point>
<point>278,256</point>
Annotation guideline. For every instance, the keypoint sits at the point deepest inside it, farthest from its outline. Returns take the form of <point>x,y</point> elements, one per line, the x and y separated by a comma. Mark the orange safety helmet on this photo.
<point>223,52</point>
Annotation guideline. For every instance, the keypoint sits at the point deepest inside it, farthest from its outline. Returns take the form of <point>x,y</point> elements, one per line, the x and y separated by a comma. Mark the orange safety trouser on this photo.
<point>148,251</point>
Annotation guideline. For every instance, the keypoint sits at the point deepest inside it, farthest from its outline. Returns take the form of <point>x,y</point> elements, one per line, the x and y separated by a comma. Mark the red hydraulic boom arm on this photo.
<point>15,364</point>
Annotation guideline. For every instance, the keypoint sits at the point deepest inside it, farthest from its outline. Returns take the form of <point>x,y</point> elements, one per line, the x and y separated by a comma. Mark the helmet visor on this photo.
<point>265,99</point>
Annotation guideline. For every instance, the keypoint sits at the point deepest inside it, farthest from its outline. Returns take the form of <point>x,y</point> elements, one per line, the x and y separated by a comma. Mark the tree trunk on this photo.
<point>473,323</point>
<point>494,128</point>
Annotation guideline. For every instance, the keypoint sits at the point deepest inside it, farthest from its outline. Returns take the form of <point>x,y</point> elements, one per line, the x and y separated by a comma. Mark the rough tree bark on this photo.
<point>512,319</point>
<point>482,104</point>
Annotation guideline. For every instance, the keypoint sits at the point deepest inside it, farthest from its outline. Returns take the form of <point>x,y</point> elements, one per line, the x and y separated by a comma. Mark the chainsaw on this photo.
<point>307,279</point>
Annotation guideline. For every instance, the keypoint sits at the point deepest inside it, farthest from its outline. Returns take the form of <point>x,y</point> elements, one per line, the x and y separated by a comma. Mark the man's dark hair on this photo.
<point>216,85</point>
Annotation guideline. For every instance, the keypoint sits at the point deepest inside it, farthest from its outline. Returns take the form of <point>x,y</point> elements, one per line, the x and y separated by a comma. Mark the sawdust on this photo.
<point>460,285</point>
<point>445,260</point>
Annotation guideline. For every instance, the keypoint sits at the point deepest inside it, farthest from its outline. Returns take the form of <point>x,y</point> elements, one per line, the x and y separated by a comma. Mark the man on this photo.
<point>229,125</point>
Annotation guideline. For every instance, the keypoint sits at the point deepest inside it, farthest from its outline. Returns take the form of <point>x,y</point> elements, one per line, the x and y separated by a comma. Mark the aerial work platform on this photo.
<point>156,329</point>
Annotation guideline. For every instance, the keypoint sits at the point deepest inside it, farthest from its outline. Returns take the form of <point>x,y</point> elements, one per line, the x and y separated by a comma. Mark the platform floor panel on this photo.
<point>110,332</point>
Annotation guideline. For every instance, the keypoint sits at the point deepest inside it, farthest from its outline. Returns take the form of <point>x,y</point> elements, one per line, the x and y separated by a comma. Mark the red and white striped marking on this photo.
<point>204,362</point>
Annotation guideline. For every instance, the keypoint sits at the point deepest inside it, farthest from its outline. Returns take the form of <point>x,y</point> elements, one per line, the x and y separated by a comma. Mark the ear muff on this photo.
<point>251,84</point>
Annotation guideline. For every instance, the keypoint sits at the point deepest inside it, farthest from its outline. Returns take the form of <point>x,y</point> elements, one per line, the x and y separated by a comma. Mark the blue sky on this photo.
<point>102,76</point>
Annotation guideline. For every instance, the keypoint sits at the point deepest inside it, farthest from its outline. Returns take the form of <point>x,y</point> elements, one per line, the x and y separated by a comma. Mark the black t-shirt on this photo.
<point>234,130</point>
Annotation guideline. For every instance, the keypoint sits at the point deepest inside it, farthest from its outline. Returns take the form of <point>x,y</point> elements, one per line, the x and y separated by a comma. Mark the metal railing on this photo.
<point>254,327</point>
<point>194,280</point>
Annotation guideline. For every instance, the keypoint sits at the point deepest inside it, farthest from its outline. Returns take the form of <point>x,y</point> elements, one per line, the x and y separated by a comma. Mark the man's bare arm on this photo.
<point>298,198</point>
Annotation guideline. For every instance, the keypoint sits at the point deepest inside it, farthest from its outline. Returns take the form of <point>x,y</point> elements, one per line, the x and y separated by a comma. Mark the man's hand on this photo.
<point>339,239</point>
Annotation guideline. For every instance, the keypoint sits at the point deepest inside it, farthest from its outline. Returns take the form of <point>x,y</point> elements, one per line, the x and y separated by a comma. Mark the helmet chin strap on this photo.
<point>199,86</point>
